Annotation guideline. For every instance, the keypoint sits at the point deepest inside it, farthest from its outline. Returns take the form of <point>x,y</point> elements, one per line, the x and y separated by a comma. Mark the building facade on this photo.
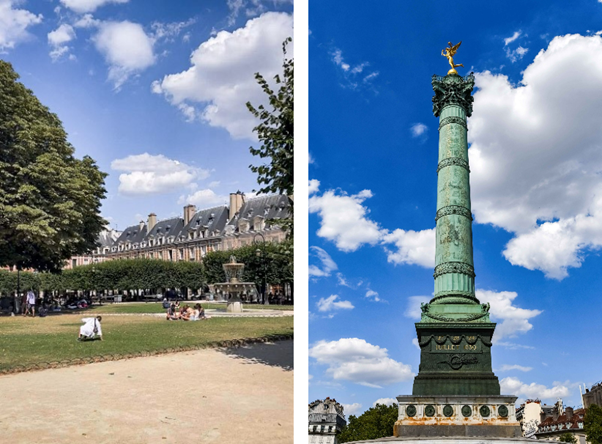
<point>592,396</point>
<point>558,423</point>
<point>196,233</point>
<point>326,420</point>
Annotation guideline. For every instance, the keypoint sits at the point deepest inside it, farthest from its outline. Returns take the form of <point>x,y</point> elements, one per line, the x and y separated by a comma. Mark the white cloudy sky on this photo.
<point>156,92</point>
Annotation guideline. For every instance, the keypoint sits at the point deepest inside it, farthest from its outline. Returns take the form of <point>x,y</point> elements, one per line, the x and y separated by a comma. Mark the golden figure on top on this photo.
<point>450,53</point>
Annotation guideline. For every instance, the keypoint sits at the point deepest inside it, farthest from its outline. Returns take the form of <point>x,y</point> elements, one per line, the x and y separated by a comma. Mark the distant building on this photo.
<point>562,421</point>
<point>529,416</point>
<point>326,420</point>
<point>592,396</point>
<point>191,237</point>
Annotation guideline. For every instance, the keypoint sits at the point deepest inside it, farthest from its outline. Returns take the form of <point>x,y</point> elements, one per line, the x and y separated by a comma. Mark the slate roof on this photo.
<point>212,219</point>
<point>107,238</point>
<point>131,234</point>
<point>274,206</point>
<point>563,423</point>
<point>167,228</point>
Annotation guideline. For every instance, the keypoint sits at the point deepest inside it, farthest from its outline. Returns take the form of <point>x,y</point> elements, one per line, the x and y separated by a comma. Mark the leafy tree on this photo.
<point>376,422</point>
<point>567,437</point>
<point>49,200</point>
<point>592,424</point>
<point>276,134</point>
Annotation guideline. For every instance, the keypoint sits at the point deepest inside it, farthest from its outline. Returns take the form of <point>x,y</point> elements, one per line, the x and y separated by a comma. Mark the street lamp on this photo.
<point>260,253</point>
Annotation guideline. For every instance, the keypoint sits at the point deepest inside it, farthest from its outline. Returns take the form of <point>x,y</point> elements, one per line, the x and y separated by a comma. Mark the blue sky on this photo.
<point>536,157</point>
<point>153,90</point>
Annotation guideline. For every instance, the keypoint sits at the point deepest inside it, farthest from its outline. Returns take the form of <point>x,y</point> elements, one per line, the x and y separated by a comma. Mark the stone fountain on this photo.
<point>233,285</point>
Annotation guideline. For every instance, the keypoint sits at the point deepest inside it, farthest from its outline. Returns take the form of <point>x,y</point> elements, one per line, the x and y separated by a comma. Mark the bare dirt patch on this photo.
<point>204,396</point>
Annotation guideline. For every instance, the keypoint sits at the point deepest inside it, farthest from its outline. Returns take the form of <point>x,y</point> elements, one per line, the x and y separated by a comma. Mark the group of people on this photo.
<point>183,313</point>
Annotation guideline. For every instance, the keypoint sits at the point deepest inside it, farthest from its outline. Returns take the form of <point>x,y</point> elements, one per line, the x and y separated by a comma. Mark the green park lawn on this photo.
<point>156,307</point>
<point>39,341</point>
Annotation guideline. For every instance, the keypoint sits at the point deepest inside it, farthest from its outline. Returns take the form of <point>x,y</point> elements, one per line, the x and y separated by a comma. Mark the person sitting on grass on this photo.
<point>91,329</point>
<point>198,313</point>
<point>172,314</point>
<point>185,313</point>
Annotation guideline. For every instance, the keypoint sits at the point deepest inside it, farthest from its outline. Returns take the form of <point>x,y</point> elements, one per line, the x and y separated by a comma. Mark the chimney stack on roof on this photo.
<point>236,201</point>
<point>152,221</point>
<point>189,211</point>
<point>141,225</point>
<point>569,413</point>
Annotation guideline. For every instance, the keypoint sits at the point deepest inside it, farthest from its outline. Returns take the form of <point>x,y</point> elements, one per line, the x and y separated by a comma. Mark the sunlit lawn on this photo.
<point>29,341</point>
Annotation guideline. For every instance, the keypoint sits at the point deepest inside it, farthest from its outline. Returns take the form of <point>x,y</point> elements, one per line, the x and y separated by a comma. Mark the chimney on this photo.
<point>236,201</point>
<point>152,221</point>
<point>189,211</point>
<point>569,413</point>
<point>141,225</point>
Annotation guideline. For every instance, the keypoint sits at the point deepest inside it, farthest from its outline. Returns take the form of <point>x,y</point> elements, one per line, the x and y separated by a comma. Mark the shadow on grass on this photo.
<point>275,354</point>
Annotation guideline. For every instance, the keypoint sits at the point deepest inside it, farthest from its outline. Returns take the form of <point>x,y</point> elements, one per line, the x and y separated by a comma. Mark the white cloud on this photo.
<point>333,303</point>
<point>513,346</point>
<point>154,174</point>
<point>413,247</point>
<point>328,265</point>
<point>58,38</point>
<point>507,368</point>
<point>203,199</point>
<point>415,342</point>
<point>81,6</point>
<point>514,36</point>
<point>356,360</point>
<point>351,409</point>
<point>126,48</point>
<point>221,79</point>
<point>385,401</point>
<point>372,294</point>
<point>515,320</point>
<point>352,75</point>
<point>536,154</point>
<point>87,21</point>
<point>314,186</point>
<point>517,54</point>
<point>414,302</point>
<point>342,281</point>
<point>169,31</point>
<point>418,129</point>
<point>513,386</point>
<point>344,219</point>
<point>14,24</point>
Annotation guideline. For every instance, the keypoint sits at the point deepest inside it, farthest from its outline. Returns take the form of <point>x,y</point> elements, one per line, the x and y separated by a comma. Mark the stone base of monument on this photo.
<point>234,306</point>
<point>457,416</point>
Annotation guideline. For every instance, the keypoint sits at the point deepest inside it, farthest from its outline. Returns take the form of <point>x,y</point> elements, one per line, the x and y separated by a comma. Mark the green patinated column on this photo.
<point>455,331</point>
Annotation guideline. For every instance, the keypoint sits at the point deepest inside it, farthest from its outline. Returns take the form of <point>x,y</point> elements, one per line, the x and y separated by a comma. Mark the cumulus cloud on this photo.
<point>314,186</point>
<point>344,220</point>
<point>126,48</point>
<point>513,386</point>
<point>203,199</point>
<point>418,129</point>
<point>385,401</point>
<point>216,88</point>
<point>58,40</point>
<point>413,247</point>
<point>327,264</point>
<point>332,303</point>
<point>515,320</point>
<point>358,361</point>
<point>81,6</point>
<point>536,155</point>
<point>251,8</point>
<point>512,38</point>
<point>147,174</point>
<point>14,24</point>
<point>516,54</point>
<point>507,368</point>
<point>352,409</point>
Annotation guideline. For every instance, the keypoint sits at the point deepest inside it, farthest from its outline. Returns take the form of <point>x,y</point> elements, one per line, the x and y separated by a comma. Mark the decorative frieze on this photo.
<point>453,209</point>
<point>454,267</point>
<point>453,119</point>
<point>453,90</point>
<point>453,161</point>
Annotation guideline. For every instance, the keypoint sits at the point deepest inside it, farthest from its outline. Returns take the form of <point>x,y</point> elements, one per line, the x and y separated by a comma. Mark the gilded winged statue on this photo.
<point>450,53</point>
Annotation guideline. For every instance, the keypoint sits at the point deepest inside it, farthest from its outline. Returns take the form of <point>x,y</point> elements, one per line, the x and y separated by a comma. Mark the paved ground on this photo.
<point>206,396</point>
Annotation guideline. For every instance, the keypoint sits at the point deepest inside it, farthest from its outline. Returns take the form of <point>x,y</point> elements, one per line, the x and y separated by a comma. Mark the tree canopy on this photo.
<point>49,200</point>
<point>567,437</point>
<point>276,135</point>
<point>592,424</point>
<point>376,422</point>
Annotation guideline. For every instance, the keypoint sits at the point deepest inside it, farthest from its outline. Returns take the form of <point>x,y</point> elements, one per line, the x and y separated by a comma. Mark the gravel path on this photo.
<point>206,396</point>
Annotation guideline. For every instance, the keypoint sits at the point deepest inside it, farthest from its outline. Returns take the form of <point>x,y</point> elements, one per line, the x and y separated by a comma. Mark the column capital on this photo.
<point>453,90</point>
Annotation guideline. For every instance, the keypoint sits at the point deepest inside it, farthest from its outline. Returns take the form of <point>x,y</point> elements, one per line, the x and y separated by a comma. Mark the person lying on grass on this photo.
<point>91,329</point>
